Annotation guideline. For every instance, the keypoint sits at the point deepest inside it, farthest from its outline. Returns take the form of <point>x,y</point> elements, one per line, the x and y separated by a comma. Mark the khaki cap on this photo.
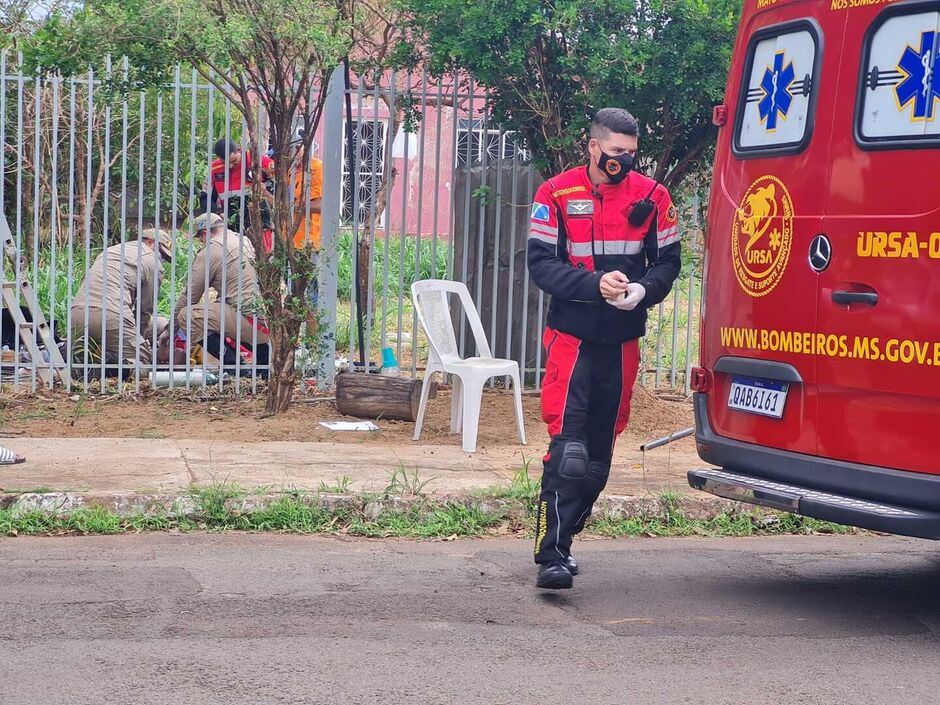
<point>162,239</point>
<point>207,220</point>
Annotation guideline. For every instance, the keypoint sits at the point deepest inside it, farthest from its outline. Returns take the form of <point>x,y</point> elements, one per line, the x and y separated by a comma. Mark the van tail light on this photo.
<point>720,115</point>
<point>701,380</point>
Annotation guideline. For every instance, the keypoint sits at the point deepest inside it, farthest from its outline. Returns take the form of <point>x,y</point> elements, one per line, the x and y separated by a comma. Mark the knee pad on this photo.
<point>574,462</point>
<point>567,467</point>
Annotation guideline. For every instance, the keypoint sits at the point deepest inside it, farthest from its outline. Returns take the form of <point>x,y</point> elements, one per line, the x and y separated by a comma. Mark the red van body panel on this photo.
<point>882,409</point>
<point>819,330</point>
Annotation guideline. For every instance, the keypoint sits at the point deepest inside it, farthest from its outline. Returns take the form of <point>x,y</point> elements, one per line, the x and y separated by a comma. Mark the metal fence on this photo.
<point>434,189</point>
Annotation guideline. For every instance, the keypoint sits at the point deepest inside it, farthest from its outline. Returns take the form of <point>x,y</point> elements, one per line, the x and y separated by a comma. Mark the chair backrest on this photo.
<point>432,302</point>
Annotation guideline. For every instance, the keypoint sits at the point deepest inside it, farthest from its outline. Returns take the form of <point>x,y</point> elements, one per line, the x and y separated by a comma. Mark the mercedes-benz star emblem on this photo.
<point>820,253</point>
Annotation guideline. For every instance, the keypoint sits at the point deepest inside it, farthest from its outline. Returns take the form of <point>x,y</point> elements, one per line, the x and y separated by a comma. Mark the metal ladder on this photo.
<point>29,332</point>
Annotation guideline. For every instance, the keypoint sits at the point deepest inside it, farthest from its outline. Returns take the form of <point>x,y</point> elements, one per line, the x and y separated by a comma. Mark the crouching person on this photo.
<point>226,265</point>
<point>112,311</point>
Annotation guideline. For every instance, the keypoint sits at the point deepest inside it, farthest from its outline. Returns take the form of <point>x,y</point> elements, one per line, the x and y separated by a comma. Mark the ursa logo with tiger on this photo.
<point>762,236</point>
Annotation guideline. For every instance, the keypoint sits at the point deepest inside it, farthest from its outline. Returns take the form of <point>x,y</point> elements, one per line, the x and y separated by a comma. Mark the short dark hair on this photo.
<point>223,147</point>
<point>607,120</point>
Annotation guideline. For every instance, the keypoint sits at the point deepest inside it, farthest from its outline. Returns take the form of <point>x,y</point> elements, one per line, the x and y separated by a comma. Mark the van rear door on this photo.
<point>880,391</point>
<point>766,207</point>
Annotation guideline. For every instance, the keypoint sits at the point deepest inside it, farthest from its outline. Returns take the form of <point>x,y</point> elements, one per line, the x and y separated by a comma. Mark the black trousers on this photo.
<point>586,396</point>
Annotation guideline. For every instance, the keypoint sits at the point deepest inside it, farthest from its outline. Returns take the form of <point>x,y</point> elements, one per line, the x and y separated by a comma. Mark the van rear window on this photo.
<point>775,110</point>
<point>899,94</point>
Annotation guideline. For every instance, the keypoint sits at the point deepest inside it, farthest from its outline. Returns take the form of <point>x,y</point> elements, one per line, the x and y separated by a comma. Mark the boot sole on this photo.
<point>555,584</point>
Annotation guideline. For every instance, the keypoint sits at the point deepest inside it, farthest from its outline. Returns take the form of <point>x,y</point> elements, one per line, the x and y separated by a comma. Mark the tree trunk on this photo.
<point>365,276</point>
<point>285,305</point>
<point>282,374</point>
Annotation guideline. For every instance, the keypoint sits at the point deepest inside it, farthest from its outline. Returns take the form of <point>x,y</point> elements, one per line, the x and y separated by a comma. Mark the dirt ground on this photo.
<point>172,415</point>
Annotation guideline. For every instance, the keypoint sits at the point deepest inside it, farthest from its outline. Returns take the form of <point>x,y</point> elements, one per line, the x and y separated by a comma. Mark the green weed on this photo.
<point>28,523</point>
<point>34,415</point>
<point>523,488</point>
<point>81,407</point>
<point>296,512</point>
<point>95,520</point>
<point>742,523</point>
<point>342,486</point>
<point>406,484</point>
<point>290,514</point>
<point>211,503</point>
<point>37,490</point>
<point>430,521</point>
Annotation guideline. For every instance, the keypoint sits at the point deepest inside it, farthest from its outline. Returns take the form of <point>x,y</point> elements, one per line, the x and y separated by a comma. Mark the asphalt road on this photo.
<point>260,619</point>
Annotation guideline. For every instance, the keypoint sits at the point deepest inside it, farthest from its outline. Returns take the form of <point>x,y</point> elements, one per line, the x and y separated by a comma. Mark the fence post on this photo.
<point>330,213</point>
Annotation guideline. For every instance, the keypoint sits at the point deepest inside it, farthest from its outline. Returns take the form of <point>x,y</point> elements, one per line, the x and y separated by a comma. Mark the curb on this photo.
<point>187,505</point>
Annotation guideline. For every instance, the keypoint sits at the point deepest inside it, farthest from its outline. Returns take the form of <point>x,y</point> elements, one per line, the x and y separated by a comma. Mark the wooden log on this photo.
<point>368,396</point>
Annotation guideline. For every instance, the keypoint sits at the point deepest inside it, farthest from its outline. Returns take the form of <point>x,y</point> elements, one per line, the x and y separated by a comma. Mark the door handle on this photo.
<point>869,298</point>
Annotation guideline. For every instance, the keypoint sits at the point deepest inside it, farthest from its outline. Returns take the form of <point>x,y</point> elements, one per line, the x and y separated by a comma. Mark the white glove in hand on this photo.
<point>635,294</point>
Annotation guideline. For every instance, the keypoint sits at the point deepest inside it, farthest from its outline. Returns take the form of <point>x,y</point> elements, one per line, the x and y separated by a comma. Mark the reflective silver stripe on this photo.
<point>618,247</point>
<point>670,234</point>
<point>543,228</point>
<point>671,241</point>
<point>548,239</point>
<point>669,237</point>
<point>580,249</point>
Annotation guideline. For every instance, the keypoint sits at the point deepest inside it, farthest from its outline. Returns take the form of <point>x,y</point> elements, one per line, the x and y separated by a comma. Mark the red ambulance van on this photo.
<point>819,386</point>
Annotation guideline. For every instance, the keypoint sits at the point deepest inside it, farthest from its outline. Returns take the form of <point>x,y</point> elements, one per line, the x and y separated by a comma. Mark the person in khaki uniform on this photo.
<point>226,265</point>
<point>115,288</point>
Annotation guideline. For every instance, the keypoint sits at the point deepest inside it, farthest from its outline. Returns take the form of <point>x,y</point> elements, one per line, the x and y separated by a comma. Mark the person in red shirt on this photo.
<point>229,186</point>
<point>604,243</point>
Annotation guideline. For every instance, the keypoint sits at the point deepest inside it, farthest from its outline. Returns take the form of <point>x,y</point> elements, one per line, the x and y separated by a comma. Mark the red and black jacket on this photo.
<point>578,231</point>
<point>225,183</point>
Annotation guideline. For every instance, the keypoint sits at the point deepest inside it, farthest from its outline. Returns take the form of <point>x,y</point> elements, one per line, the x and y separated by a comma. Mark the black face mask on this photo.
<point>616,168</point>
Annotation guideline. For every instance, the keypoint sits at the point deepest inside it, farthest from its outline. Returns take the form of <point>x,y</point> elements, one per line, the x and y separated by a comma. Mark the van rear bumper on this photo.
<point>881,499</point>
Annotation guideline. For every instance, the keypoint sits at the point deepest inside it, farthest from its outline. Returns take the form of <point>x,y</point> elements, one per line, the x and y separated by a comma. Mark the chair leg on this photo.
<point>456,404</point>
<point>423,405</point>
<point>472,401</point>
<point>520,419</point>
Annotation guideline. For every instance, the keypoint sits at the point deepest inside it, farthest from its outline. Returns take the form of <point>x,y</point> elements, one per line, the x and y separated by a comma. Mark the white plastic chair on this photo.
<point>432,302</point>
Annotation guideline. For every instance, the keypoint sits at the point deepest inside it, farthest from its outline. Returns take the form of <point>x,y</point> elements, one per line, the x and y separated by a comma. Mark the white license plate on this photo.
<point>758,396</point>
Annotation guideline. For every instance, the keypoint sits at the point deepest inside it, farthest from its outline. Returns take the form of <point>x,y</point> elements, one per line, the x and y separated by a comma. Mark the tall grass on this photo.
<point>404,260</point>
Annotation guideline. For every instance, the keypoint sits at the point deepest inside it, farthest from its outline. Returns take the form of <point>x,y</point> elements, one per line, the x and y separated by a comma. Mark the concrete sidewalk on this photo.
<point>122,466</point>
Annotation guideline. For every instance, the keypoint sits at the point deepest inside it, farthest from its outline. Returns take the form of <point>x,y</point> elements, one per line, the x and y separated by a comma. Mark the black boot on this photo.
<point>554,576</point>
<point>572,565</point>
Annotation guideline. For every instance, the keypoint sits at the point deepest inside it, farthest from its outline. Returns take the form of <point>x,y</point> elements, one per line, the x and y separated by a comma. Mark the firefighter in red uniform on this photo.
<point>227,192</point>
<point>604,243</point>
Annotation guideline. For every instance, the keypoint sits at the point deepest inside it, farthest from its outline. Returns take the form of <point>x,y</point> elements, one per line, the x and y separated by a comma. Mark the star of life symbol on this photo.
<point>920,87</point>
<point>777,97</point>
<point>776,239</point>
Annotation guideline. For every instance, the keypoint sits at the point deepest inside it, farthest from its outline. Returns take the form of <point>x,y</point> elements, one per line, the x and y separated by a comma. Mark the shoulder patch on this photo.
<point>569,191</point>
<point>672,215</point>
<point>540,212</point>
